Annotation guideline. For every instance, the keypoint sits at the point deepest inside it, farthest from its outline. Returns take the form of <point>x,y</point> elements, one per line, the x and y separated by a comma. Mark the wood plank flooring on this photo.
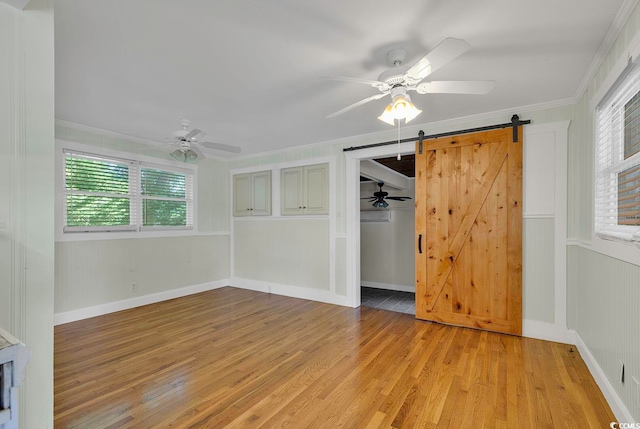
<point>241,359</point>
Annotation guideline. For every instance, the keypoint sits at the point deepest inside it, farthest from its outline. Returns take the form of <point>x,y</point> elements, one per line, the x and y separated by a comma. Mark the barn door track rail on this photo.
<point>515,123</point>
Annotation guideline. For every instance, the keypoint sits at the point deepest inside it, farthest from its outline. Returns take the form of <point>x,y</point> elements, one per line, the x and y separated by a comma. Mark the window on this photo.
<point>104,193</point>
<point>618,160</point>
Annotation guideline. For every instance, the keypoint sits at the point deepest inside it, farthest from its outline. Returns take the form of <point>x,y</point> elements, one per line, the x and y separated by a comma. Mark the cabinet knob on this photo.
<point>248,209</point>
<point>304,207</point>
<point>299,207</point>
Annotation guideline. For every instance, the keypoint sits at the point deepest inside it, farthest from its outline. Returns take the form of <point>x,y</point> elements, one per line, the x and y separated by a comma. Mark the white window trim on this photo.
<point>125,232</point>
<point>616,244</point>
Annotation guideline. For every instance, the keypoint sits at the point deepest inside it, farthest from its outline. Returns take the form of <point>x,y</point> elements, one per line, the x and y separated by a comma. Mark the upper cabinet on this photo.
<point>305,190</point>
<point>252,194</point>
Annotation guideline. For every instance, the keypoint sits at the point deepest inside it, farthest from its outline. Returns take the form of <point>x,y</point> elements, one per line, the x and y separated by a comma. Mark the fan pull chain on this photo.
<point>399,157</point>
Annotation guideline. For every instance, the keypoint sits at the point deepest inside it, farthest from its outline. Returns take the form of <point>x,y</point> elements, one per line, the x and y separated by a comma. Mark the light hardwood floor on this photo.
<point>237,358</point>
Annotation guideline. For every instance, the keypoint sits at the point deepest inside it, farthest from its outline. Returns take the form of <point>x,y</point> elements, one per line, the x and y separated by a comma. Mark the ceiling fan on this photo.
<point>399,80</point>
<point>380,196</point>
<point>188,144</point>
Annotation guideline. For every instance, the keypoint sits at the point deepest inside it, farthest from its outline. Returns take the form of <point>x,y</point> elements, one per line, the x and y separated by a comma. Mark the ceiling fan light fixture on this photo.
<point>387,116</point>
<point>184,155</point>
<point>190,156</point>
<point>381,204</point>
<point>178,155</point>
<point>400,108</point>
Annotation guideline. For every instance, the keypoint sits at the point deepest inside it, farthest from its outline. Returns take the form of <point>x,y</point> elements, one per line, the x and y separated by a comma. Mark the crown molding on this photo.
<point>113,134</point>
<point>412,130</point>
<point>408,131</point>
<point>18,4</point>
<point>147,142</point>
<point>609,39</point>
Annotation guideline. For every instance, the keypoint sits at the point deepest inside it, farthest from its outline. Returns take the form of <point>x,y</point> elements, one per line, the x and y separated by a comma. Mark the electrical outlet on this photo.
<point>635,380</point>
<point>621,370</point>
<point>134,287</point>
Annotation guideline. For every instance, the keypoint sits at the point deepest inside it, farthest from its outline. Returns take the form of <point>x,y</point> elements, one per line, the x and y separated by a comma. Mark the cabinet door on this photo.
<point>242,195</point>
<point>316,189</point>
<point>292,186</point>
<point>261,187</point>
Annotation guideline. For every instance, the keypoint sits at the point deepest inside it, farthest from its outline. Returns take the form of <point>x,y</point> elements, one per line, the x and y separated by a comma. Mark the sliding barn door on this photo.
<point>469,231</point>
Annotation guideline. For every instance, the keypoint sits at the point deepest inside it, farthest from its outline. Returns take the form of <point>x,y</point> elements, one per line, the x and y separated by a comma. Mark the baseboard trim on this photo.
<point>615,402</point>
<point>388,286</point>
<point>290,291</point>
<point>125,304</point>
<point>546,331</point>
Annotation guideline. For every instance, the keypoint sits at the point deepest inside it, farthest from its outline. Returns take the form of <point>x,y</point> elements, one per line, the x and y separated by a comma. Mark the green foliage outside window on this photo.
<point>99,194</point>
<point>100,186</point>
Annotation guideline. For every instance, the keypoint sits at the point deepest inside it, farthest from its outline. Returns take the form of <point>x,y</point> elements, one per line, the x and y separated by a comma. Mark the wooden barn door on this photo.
<point>469,231</point>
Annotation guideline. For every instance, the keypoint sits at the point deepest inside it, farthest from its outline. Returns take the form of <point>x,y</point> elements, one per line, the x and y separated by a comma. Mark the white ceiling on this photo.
<point>247,71</point>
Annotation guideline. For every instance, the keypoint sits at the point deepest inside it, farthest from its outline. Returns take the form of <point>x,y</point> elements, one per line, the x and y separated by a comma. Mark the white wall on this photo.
<point>27,195</point>
<point>603,278</point>
<point>98,273</point>
<point>387,251</point>
<point>291,251</point>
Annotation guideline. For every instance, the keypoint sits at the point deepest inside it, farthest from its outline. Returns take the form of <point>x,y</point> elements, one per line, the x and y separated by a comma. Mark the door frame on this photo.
<point>352,212</point>
<point>558,133</point>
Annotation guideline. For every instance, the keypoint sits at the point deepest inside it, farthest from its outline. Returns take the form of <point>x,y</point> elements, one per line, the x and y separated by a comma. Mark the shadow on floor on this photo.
<point>401,302</point>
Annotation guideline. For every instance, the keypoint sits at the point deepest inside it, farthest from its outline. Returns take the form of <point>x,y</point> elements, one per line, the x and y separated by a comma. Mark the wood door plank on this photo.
<point>471,201</point>
<point>455,245</point>
<point>514,245</point>
<point>421,223</point>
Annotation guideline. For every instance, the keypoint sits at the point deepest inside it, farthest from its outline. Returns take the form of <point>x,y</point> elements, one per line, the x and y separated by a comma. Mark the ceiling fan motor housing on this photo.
<point>179,134</point>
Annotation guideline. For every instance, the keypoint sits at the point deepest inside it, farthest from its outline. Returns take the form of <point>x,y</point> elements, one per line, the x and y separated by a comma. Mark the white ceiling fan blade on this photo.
<point>220,146</point>
<point>194,133</point>
<point>382,86</point>
<point>478,87</point>
<point>354,105</point>
<point>446,51</point>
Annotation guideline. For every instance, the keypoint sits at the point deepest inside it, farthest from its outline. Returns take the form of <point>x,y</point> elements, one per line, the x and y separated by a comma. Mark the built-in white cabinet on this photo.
<point>252,194</point>
<point>305,190</point>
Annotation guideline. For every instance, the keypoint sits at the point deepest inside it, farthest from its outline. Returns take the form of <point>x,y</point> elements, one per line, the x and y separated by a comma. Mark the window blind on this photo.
<point>617,203</point>
<point>113,194</point>
<point>167,197</point>
<point>98,192</point>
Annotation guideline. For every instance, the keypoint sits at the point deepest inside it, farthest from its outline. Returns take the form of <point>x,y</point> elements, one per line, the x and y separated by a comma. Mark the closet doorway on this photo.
<point>387,228</point>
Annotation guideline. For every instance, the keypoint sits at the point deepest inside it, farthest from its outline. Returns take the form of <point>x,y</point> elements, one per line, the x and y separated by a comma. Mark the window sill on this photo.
<point>612,246</point>
<point>621,237</point>
<point>123,235</point>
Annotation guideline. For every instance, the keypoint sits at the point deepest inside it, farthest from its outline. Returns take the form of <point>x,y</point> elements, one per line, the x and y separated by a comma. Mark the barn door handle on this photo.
<point>420,243</point>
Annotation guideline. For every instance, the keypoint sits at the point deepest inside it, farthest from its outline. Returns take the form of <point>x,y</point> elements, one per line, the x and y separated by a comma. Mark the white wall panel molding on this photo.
<point>613,399</point>
<point>17,181</point>
<point>546,331</point>
<point>26,161</point>
<point>319,295</point>
<point>549,142</point>
<point>103,236</point>
<point>538,216</point>
<point>112,307</point>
